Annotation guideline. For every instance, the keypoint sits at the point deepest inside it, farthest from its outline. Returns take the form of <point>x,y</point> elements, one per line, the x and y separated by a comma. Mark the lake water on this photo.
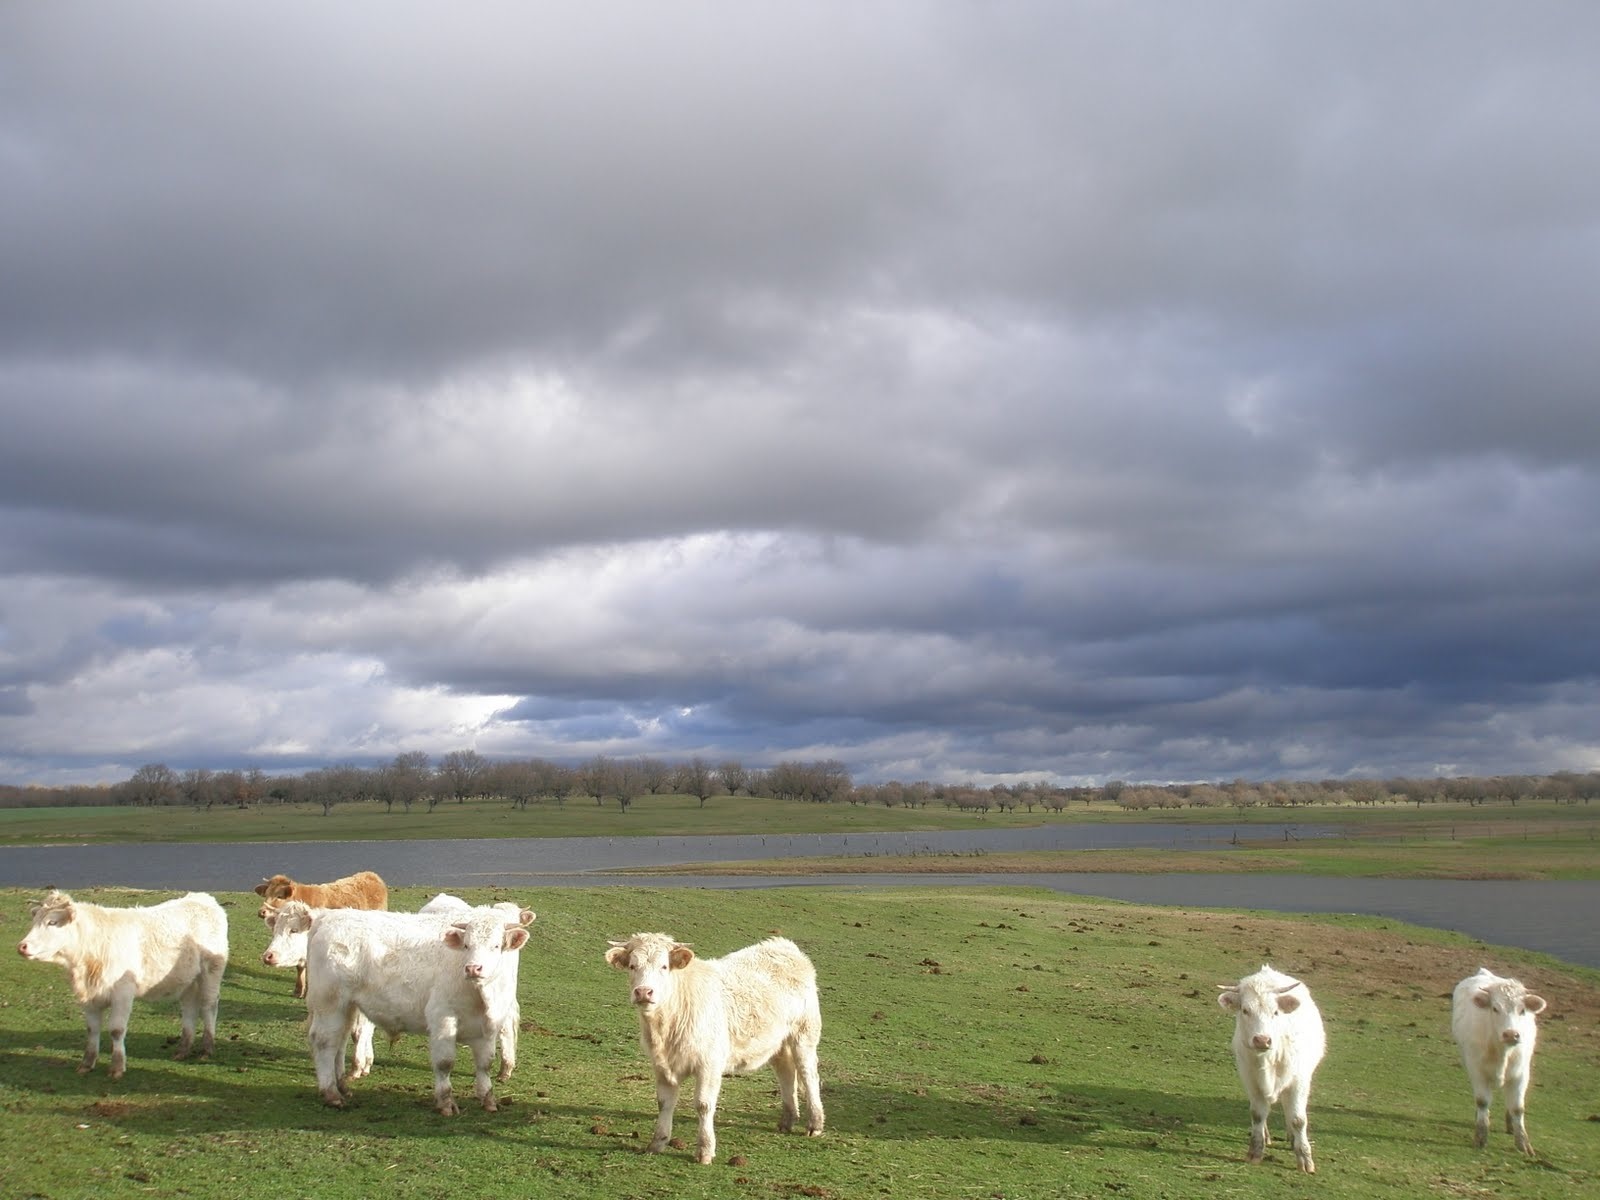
<point>1561,918</point>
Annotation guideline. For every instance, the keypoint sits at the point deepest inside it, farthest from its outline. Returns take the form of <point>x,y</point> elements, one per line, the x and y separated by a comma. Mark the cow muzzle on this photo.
<point>1262,1041</point>
<point>1510,1037</point>
<point>644,996</point>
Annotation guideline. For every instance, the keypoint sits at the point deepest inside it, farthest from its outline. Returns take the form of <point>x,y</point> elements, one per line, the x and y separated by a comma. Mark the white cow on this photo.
<point>431,973</point>
<point>289,922</point>
<point>733,1015</point>
<point>112,955</point>
<point>505,983</point>
<point>1492,1019</point>
<point>1278,1041</point>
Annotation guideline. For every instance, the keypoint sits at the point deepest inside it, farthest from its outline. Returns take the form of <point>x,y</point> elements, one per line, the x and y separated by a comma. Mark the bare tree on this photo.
<point>695,778</point>
<point>594,778</point>
<point>552,780</point>
<point>653,775</point>
<point>625,783</point>
<point>732,776</point>
<point>405,779</point>
<point>198,787</point>
<point>152,784</point>
<point>463,773</point>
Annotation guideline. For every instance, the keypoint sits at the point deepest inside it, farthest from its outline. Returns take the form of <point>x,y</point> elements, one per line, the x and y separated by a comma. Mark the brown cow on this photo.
<point>364,889</point>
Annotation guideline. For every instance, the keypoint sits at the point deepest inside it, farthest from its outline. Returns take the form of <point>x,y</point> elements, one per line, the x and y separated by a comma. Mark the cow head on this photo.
<point>279,887</point>
<point>1257,1005</point>
<point>290,923</point>
<point>487,936</point>
<point>650,959</point>
<point>1510,1008</point>
<point>52,930</point>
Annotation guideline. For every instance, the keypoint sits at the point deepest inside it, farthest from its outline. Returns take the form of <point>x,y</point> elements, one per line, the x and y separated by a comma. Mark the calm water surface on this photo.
<point>1562,918</point>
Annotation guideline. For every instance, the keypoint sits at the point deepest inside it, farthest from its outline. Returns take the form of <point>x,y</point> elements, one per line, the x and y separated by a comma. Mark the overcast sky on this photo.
<point>965,391</point>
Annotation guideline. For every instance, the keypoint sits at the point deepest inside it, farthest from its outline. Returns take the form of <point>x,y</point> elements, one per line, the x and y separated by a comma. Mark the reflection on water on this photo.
<point>1556,918</point>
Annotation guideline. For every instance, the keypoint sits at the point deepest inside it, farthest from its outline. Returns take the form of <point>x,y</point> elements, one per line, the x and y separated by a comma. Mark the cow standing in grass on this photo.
<point>289,923</point>
<point>1278,1040</point>
<point>115,955</point>
<point>1493,1023</point>
<point>431,973</point>
<point>504,985</point>
<point>364,889</point>
<point>732,1015</point>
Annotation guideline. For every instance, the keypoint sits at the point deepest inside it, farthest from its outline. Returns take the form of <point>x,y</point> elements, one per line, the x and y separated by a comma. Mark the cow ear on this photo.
<point>526,916</point>
<point>617,956</point>
<point>271,918</point>
<point>261,888</point>
<point>679,957</point>
<point>1288,1002</point>
<point>1228,998</point>
<point>1534,1004</point>
<point>455,937</point>
<point>1481,998</point>
<point>516,937</point>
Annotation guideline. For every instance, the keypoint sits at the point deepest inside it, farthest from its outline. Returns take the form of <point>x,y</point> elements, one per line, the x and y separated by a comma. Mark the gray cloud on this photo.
<point>956,391</point>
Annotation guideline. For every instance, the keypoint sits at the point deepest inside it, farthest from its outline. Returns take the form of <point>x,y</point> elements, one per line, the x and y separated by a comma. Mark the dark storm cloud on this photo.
<point>948,389</point>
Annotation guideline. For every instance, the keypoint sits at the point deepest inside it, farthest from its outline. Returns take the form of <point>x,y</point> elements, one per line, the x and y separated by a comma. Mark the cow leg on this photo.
<point>508,1041</point>
<point>210,990</point>
<point>1480,1129</point>
<point>1516,1094</point>
<point>666,1102</point>
<point>806,1058</point>
<point>92,1015</point>
<point>329,1030</point>
<point>1259,1112</point>
<point>442,1053</point>
<point>300,982</point>
<point>483,1061</point>
<point>188,1006</point>
<point>783,1063</point>
<point>121,1010</point>
<point>708,1086</point>
<point>361,1035</point>
<point>1295,1101</point>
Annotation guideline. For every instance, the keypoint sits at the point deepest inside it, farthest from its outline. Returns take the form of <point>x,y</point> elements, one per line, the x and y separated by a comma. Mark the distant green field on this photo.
<point>977,1043</point>
<point>662,816</point>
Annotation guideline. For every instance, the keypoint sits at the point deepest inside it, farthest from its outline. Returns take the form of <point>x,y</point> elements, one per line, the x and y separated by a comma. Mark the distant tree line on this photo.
<point>413,780</point>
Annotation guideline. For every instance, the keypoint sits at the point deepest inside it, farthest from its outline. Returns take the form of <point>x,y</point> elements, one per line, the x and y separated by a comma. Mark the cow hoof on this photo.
<point>1309,1167</point>
<point>333,1098</point>
<point>447,1109</point>
<point>489,1104</point>
<point>817,1132</point>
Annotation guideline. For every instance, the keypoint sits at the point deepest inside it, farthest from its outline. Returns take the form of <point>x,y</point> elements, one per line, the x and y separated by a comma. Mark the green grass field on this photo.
<point>977,1043</point>
<point>662,816</point>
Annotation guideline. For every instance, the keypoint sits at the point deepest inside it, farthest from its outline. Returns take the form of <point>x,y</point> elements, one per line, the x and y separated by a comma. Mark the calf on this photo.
<point>364,889</point>
<point>1278,1041</point>
<point>432,973</point>
<point>289,922</point>
<point>505,984</point>
<point>732,1015</point>
<point>113,955</point>
<point>1492,1019</point>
